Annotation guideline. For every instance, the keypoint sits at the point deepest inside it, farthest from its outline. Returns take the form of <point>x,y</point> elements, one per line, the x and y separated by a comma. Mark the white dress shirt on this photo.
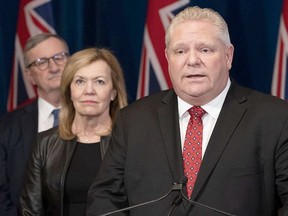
<point>45,116</point>
<point>209,119</point>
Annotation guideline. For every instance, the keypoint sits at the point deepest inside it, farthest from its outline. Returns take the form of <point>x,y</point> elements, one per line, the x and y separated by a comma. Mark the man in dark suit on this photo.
<point>45,56</point>
<point>242,136</point>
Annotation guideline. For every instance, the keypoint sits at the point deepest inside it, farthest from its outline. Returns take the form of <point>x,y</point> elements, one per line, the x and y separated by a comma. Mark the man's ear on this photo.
<point>29,76</point>
<point>166,54</point>
<point>229,56</point>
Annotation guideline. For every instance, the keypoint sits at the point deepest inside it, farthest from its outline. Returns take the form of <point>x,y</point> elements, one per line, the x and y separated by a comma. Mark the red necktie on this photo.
<point>192,151</point>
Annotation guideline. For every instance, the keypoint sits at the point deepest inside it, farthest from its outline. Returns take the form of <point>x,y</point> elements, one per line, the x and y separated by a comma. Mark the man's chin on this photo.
<point>55,85</point>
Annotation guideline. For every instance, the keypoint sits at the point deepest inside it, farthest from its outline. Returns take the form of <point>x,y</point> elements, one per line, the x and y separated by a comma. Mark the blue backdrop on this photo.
<point>119,25</point>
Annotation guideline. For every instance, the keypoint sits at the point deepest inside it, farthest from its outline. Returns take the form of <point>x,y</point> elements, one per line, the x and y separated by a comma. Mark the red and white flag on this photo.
<point>280,82</point>
<point>35,16</point>
<point>153,73</point>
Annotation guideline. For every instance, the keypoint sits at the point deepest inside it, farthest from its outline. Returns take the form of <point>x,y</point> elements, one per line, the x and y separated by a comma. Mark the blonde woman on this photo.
<point>65,160</point>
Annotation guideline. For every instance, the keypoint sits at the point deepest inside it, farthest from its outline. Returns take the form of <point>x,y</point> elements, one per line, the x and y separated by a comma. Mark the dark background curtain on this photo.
<point>119,25</point>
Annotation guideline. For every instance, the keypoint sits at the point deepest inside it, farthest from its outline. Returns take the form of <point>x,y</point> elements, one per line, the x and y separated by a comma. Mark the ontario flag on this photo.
<point>279,81</point>
<point>35,16</point>
<point>153,73</point>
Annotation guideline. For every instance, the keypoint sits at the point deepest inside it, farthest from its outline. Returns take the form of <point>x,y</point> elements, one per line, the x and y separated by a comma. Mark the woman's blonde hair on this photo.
<point>77,61</point>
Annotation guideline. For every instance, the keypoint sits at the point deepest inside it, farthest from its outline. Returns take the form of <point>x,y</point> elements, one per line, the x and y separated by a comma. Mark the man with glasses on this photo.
<point>45,56</point>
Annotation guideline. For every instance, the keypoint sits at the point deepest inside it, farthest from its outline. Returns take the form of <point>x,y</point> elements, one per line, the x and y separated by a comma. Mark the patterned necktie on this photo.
<point>55,113</point>
<point>192,151</point>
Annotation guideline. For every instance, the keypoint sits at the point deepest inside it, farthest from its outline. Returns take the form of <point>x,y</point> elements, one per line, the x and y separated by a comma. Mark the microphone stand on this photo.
<point>205,206</point>
<point>175,187</point>
<point>176,202</point>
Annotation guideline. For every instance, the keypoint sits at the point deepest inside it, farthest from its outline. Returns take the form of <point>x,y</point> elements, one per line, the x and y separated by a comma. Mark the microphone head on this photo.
<point>178,185</point>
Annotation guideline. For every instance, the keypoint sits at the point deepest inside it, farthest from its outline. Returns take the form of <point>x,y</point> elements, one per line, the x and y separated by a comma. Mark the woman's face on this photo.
<point>92,90</point>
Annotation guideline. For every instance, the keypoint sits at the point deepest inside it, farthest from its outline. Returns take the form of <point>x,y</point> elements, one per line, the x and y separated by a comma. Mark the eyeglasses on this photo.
<point>43,63</point>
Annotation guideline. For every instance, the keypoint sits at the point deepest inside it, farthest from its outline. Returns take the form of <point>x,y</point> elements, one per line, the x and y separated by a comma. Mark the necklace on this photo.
<point>91,133</point>
<point>89,139</point>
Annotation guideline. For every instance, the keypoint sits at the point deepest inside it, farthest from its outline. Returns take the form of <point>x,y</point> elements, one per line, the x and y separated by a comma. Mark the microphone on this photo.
<point>178,199</point>
<point>178,186</point>
<point>184,181</point>
<point>175,187</point>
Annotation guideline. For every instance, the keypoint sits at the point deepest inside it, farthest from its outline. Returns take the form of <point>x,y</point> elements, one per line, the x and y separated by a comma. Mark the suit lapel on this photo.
<point>169,128</point>
<point>230,116</point>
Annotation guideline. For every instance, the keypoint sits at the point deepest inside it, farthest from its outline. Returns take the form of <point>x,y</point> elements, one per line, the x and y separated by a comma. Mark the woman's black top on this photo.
<point>82,170</point>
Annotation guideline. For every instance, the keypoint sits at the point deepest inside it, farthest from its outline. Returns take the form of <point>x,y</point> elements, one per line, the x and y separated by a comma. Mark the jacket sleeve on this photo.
<point>7,207</point>
<point>107,192</point>
<point>31,196</point>
<point>281,169</point>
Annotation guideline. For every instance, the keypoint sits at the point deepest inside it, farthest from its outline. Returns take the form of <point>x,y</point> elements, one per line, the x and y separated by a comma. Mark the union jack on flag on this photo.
<point>153,73</point>
<point>279,82</point>
<point>34,17</point>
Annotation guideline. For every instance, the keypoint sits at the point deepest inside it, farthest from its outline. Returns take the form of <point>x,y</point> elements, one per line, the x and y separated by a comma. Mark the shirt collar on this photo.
<point>213,108</point>
<point>45,108</point>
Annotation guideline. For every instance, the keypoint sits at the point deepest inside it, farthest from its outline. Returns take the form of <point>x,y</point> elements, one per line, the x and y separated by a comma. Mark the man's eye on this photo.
<point>57,58</point>
<point>179,52</point>
<point>41,61</point>
<point>206,50</point>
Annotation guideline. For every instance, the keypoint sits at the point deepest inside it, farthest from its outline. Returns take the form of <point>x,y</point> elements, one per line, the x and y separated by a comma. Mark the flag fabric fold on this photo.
<point>34,16</point>
<point>153,72</point>
<point>279,81</point>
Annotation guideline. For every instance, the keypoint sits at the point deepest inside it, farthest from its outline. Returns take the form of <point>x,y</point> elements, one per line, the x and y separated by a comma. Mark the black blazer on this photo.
<point>18,130</point>
<point>43,190</point>
<point>244,169</point>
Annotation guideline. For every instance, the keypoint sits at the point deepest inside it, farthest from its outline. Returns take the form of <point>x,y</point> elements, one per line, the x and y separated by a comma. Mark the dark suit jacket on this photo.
<point>244,169</point>
<point>17,132</point>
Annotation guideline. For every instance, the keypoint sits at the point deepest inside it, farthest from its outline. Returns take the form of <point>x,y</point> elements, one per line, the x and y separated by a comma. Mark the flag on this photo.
<point>279,81</point>
<point>35,16</point>
<point>153,72</point>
